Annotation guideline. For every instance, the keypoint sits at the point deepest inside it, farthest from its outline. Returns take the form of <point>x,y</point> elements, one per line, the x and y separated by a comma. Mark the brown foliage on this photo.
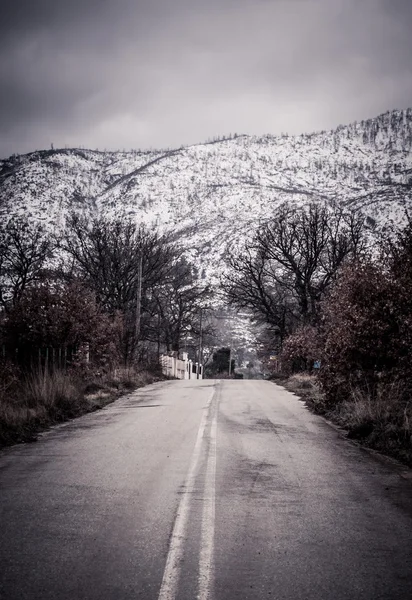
<point>59,316</point>
<point>301,349</point>
<point>367,325</point>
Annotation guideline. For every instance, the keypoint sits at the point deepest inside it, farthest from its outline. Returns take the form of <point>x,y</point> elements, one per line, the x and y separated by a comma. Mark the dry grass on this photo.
<point>130,378</point>
<point>382,421</point>
<point>37,401</point>
<point>307,387</point>
<point>28,405</point>
<point>57,392</point>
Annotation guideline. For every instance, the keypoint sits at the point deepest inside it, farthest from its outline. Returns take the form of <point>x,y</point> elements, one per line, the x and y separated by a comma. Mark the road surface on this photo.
<point>217,490</point>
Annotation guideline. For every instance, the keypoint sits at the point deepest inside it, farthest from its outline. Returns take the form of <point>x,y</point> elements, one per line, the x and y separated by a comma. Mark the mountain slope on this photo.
<point>215,194</point>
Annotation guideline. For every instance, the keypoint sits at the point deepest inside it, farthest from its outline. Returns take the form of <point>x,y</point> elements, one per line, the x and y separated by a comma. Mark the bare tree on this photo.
<point>250,286</point>
<point>284,272</point>
<point>24,251</point>
<point>123,263</point>
<point>106,255</point>
<point>176,306</point>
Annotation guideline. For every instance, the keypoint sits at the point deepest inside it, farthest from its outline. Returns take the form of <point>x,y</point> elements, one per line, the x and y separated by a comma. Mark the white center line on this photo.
<point>168,589</point>
<point>208,516</point>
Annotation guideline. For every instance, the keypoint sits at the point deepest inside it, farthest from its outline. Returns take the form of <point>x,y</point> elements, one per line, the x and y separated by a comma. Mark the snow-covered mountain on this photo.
<point>215,194</point>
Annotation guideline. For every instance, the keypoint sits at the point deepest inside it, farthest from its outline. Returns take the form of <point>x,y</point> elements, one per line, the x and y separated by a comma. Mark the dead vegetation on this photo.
<point>306,387</point>
<point>381,420</point>
<point>40,399</point>
<point>77,307</point>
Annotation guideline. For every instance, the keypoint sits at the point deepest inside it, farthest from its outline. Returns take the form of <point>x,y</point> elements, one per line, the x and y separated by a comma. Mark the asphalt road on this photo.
<point>203,490</point>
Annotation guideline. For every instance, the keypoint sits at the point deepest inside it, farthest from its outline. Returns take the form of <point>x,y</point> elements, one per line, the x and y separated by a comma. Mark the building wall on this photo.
<point>181,369</point>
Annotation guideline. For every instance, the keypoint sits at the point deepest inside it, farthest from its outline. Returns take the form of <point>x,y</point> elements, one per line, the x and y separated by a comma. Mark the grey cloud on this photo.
<point>162,72</point>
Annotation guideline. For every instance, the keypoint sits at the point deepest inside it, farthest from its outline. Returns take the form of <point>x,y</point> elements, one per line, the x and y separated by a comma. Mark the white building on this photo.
<point>173,366</point>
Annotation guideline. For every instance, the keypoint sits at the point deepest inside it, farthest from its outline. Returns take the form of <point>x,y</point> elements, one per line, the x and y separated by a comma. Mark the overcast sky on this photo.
<point>155,73</point>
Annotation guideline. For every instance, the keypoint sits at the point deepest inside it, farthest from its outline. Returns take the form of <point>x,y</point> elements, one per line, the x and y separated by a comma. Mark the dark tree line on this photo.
<point>110,284</point>
<point>366,334</point>
<point>333,297</point>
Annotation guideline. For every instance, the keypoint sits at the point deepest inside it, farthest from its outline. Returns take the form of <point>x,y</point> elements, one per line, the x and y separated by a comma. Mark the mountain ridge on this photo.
<point>217,193</point>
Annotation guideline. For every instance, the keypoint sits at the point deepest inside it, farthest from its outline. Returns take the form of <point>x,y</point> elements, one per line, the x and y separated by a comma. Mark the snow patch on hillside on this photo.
<point>214,195</point>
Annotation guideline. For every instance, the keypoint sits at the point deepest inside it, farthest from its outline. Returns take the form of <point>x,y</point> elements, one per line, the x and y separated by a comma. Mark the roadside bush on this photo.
<point>382,421</point>
<point>301,349</point>
<point>359,330</point>
<point>60,315</point>
<point>307,387</point>
<point>367,332</point>
<point>39,399</point>
<point>278,376</point>
<point>366,368</point>
<point>59,393</point>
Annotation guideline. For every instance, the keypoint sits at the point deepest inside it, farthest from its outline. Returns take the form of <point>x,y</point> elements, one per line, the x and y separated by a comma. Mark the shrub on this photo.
<point>301,349</point>
<point>62,316</point>
<point>307,387</point>
<point>30,403</point>
<point>366,370</point>
<point>382,420</point>
<point>358,331</point>
<point>59,393</point>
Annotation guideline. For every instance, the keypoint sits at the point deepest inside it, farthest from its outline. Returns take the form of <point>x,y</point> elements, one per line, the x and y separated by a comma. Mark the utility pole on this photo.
<point>199,358</point>
<point>230,358</point>
<point>139,300</point>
